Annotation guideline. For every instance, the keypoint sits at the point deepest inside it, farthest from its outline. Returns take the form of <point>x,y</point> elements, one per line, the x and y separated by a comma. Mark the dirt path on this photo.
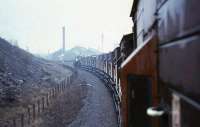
<point>98,109</point>
<point>86,102</point>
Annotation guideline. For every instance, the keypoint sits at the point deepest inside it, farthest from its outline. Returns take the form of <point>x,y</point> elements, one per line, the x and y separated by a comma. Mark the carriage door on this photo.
<point>139,98</point>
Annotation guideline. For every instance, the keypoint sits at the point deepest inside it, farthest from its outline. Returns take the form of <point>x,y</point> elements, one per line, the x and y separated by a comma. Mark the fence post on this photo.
<point>14,122</point>
<point>29,115</point>
<point>68,80</point>
<point>62,86</point>
<point>58,88</point>
<point>50,96</point>
<point>47,99</point>
<point>54,92</point>
<point>8,124</point>
<point>65,83</point>
<point>22,120</point>
<point>43,104</point>
<point>38,103</point>
<point>34,111</point>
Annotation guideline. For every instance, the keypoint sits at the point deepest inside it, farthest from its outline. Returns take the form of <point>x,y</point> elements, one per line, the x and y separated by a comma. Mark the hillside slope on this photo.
<point>24,77</point>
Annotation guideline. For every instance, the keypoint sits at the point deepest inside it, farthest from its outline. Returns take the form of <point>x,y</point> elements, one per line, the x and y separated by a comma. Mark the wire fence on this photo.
<point>33,111</point>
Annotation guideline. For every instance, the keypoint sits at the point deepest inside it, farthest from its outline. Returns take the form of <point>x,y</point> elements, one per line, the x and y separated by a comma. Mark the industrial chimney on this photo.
<point>63,29</point>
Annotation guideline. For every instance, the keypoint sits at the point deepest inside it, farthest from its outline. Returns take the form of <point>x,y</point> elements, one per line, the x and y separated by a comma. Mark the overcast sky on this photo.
<point>37,24</point>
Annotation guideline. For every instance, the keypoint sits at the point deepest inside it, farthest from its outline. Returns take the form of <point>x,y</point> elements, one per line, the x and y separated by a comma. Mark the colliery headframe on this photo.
<point>154,73</point>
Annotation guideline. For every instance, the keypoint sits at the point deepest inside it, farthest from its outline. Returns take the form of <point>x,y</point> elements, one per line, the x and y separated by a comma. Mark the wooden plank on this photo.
<point>178,18</point>
<point>179,66</point>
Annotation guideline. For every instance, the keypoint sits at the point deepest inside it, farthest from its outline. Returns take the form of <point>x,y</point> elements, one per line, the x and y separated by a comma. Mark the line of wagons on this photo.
<point>156,68</point>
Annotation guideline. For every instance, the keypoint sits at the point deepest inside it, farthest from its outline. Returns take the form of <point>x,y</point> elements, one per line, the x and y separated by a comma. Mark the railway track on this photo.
<point>110,84</point>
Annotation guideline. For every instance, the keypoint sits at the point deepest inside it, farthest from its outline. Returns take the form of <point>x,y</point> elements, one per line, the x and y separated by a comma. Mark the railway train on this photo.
<point>156,68</point>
